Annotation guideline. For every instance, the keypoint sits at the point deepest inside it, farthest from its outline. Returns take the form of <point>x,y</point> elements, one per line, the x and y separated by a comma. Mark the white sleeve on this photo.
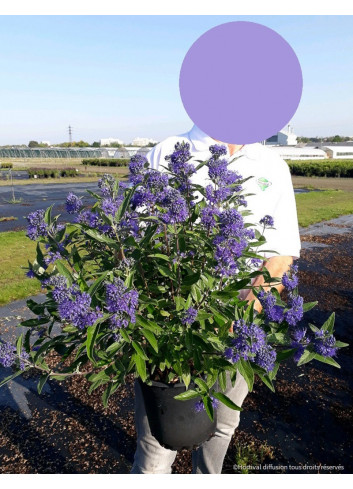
<point>154,156</point>
<point>285,238</point>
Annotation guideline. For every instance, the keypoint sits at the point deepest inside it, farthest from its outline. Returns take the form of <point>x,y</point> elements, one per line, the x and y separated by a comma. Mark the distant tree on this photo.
<point>303,139</point>
<point>337,139</point>
<point>33,144</point>
<point>150,145</point>
<point>96,144</point>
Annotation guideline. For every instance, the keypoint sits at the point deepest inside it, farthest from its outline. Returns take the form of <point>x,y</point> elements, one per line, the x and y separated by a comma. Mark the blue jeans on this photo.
<point>152,458</point>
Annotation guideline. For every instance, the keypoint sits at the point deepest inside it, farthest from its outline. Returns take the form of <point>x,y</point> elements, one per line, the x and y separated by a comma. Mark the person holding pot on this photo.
<point>273,195</point>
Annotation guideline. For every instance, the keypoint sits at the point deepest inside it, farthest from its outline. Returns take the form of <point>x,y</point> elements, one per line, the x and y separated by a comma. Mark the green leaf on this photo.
<point>102,238</point>
<point>225,400</point>
<point>309,305</point>
<point>139,350</point>
<point>279,338</point>
<point>186,379</point>
<point>284,354</point>
<point>267,382</point>
<point>42,381</point>
<point>97,284</point>
<point>340,344</point>
<point>161,256</point>
<point>125,335</point>
<point>329,324</point>
<point>202,384</point>
<point>191,279</point>
<point>306,357</point>
<point>328,360</point>
<point>165,272</point>
<point>150,338</point>
<point>129,279</point>
<point>140,366</point>
<point>64,271</point>
<point>208,406</point>
<point>222,379</point>
<point>92,332</point>
<point>247,372</point>
<point>47,215</point>
<point>12,376</point>
<point>19,343</point>
<point>106,395</point>
<point>152,326</point>
<point>189,394</point>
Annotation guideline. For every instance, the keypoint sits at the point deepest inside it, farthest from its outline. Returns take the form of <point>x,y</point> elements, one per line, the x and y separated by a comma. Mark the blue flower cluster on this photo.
<point>267,221</point>
<point>74,306</point>
<point>179,165</point>
<point>122,303</point>
<point>73,203</point>
<point>199,405</point>
<point>324,343</point>
<point>138,165</point>
<point>106,185</point>
<point>189,316</point>
<point>250,344</point>
<point>290,280</point>
<point>8,355</point>
<point>37,227</point>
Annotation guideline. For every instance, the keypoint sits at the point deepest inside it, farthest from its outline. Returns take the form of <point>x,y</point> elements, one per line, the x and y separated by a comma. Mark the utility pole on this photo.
<point>70,135</point>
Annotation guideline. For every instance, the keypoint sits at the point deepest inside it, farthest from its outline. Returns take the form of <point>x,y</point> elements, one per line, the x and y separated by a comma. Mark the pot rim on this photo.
<point>156,383</point>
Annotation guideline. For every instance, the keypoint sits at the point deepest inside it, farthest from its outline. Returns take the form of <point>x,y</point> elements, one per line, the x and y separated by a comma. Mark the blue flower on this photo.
<point>267,221</point>
<point>199,405</point>
<point>324,343</point>
<point>295,313</point>
<point>37,226</point>
<point>73,203</point>
<point>122,303</point>
<point>189,316</point>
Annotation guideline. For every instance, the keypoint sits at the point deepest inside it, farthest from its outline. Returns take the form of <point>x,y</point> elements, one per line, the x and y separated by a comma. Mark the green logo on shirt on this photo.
<point>263,183</point>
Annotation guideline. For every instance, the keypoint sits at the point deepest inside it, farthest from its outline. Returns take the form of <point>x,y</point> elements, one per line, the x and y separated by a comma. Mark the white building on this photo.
<point>127,152</point>
<point>143,142</point>
<point>108,141</point>
<point>294,153</point>
<point>339,152</point>
<point>283,138</point>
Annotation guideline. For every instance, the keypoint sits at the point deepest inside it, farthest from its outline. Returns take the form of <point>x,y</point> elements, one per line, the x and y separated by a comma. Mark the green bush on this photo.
<point>52,172</point>
<point>6,165</point>
<point>106,162</point>
<point>322,168</point>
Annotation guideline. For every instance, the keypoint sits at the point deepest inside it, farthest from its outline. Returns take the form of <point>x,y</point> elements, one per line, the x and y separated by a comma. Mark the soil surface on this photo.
<point>305,427</point>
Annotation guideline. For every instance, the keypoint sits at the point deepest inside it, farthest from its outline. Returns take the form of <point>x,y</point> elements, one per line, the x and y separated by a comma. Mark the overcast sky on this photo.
<point>117,76</point>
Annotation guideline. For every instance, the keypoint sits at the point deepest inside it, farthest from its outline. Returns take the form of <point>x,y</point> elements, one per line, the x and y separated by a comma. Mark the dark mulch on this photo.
<point>307,422</point>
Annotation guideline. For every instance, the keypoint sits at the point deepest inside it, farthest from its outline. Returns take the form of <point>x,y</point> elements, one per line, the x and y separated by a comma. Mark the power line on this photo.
<point>70,134</point>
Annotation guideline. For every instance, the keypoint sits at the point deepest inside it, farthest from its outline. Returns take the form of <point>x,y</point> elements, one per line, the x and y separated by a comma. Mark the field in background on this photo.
<point>27,163</point>
<point>15,251</point>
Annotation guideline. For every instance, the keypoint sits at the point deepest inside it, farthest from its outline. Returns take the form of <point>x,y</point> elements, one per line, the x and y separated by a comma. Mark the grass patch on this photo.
<point>321,206</point>
<point>50,181</point>
<point>9,218</point>
<point>15,250</point>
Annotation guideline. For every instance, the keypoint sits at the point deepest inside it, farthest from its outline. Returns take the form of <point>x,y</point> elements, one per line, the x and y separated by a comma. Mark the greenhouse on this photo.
<point>295,153</point>
<point>54,153</point>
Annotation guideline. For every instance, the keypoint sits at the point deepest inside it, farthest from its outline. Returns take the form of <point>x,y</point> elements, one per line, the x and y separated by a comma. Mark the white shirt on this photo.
<point>271,186</point>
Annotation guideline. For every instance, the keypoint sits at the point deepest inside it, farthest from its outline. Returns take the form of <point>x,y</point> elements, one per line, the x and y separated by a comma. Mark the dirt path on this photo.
<point>307,424</point>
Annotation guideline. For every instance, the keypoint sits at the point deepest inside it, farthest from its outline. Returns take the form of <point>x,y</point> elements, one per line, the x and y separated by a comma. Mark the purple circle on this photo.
<point>240,82</point>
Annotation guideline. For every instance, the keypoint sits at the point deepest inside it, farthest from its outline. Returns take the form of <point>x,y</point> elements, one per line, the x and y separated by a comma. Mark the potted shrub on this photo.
<point>147,282</point>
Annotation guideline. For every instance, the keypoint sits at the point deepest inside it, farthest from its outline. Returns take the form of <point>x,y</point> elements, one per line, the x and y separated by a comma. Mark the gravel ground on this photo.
<point>306,425</point>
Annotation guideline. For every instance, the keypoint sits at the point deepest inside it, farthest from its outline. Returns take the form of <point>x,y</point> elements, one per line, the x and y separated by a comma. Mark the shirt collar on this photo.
<point>201,142</point>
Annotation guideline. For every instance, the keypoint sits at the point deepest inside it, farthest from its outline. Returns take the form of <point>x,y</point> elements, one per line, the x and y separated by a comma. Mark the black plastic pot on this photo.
<point>175,424</point>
